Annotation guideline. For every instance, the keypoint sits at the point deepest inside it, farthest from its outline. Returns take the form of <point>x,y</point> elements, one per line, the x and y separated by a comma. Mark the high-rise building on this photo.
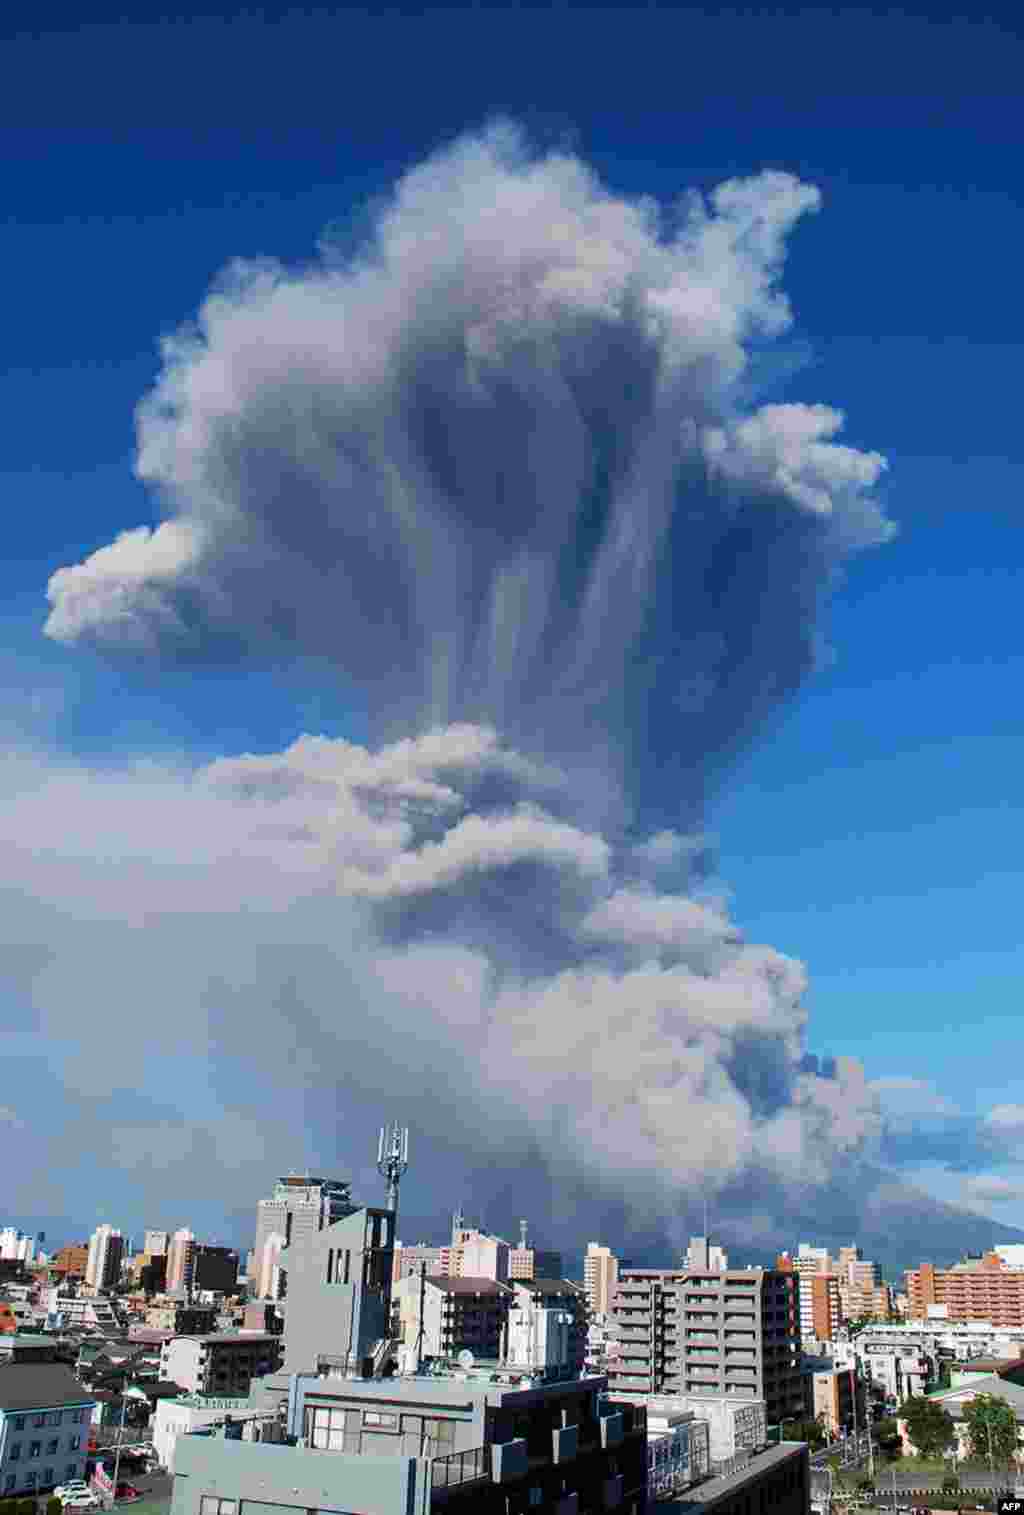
<point>103,1263</point>
<point>409,1260</point>
<point>826,1305</point>
<point>214,1269</point>
<point>705,1256</point>
<point>808,1261</point>
<point>16,1246</point>
<point>683,1332</point>
<point>268,1272</point>
<point>528,1262</point>
<point>155,1243</point>
<point>180,1259</point>
<point>299,1207</point>
<point>600,1274</point>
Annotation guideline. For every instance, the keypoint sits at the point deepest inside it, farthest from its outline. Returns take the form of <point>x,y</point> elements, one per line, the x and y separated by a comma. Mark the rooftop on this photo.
<point>466,1285</point>
<point>40,1386</point>
<point>730,1483</point>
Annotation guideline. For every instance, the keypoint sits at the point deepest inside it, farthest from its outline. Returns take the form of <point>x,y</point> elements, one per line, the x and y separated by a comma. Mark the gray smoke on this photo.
<point>502,469</point>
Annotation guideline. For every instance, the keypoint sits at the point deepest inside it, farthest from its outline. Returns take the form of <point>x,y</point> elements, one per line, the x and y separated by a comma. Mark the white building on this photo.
<point>678,1450</point>
<point>103,1263</point>
<point>270,1269</point>
<point>483,1256</point>
<point>706,1256</point>
<point>16,1246</point>
<point>735,1425</point>
<point>546,1328</point>
<point>84,1313</point>
<point>177,1417</point>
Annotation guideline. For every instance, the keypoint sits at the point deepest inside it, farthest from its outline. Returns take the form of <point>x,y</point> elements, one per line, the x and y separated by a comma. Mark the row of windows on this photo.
<point>48,1418</point>
<point>32,1479</point>
<point>35,1448</point>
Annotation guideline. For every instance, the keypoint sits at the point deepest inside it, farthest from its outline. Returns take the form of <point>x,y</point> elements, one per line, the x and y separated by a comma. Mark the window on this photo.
<point>35,1447</point>
<point>53,1418</point>
<point>209,1505</point>
<point>49,1476</point>
<point>327,1431</point>
<point>70,1470</point>
<point>74,1442</point>
<point>377,1418</point>
<point>19,1422</point>
<point>15,1452</point>
<point>38,1420</point>
<point>30,1480</point>
<point>9,1483</point>
<point>51,1447</point>
<point>71,1417</point>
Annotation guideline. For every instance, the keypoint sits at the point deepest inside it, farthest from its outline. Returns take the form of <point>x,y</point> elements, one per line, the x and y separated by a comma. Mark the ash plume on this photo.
<point>501,470</point>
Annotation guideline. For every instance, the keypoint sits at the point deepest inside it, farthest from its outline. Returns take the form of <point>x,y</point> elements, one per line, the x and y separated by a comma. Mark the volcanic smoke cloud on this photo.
<point>503,470</point>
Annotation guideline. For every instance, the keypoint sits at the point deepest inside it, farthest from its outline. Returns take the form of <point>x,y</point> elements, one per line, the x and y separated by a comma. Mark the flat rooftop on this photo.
<point>729,1483</point>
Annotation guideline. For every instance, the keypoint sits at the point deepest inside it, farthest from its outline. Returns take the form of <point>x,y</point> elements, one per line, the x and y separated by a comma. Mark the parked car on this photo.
<point>86,1500</point>
<point>73,1486</point>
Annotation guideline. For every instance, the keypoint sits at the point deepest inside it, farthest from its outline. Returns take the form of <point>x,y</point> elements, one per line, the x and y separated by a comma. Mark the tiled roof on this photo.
<point>40,1386</point>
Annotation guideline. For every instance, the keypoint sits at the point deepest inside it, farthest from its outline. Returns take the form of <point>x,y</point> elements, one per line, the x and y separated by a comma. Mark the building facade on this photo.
<point>338,1308</point>
<point>708,1333</point>
<point>440,1317</point>
<point>547,1328</point>
<point>44,1427</point>
<point>180,1261</point>
<point>417,1445</point>
<point>223,1363</point>
<point>103,1261</point>
<point>986,1289</point>
<point>600,1277</point>
<point>299,1207</point>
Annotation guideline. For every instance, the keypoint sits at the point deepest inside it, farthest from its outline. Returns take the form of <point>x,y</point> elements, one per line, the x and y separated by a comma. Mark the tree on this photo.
<point>991,1428</point>
<point>929,1426</point>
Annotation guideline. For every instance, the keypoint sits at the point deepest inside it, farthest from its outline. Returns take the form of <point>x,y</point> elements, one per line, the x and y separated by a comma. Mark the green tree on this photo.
<point>929,1426</point>
<point>991,1427</point>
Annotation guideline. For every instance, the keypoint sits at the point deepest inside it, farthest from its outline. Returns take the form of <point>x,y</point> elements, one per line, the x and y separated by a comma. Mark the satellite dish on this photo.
<point>466,1358</point>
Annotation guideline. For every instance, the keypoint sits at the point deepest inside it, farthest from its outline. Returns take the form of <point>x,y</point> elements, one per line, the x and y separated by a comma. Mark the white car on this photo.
<point>81,1499</point>
<point>73,1486</point>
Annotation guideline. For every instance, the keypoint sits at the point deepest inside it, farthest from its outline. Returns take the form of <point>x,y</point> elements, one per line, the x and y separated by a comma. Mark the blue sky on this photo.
<point>876,831</point>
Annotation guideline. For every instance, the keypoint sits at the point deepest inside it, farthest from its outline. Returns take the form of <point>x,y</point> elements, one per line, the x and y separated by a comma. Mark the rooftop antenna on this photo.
<point>522,1236</point>
<point>393,1159</point>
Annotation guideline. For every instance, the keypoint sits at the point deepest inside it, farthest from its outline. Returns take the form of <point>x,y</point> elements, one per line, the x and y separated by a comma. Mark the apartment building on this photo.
<point>103,1260</point>
<point>600,1276</point>
<point>528,1262</point>
<point>985,1289</point>
<point>44,1426</point>
<point>826,1306</point>
<point>214,1269</point>
<point>181,1319</point>
<point>440,1317</point>
<point>71,1260</point>
<point>465,1443</point>
<point>180,1261</point>
<point>829,1389</point>
<point>155,1243</point>
<point>220,1363</point>
<point>708,1333</point>
<point>410,1259</point>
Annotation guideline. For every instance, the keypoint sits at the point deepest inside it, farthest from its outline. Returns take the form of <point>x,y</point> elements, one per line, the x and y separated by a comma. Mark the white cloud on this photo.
<point>905,1095</point>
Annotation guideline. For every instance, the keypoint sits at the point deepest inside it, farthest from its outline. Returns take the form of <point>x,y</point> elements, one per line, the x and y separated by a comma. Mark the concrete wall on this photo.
<point>173,1419</point>
<point>339,1291</point>
<point>281,1480</point>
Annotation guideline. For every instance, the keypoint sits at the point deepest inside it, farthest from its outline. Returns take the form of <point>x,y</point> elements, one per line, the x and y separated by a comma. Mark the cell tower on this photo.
<point>393,1158</point>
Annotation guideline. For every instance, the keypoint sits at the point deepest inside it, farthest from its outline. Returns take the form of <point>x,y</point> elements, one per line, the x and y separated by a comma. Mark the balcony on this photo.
<point>565,1443</point>
<point>460,1467</point>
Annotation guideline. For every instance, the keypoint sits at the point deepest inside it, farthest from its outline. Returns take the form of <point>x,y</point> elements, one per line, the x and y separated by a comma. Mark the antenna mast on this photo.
<point>393,1159</point>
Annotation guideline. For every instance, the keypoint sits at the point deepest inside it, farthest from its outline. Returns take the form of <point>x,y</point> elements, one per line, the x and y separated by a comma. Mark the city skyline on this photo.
<point>433,705</point>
